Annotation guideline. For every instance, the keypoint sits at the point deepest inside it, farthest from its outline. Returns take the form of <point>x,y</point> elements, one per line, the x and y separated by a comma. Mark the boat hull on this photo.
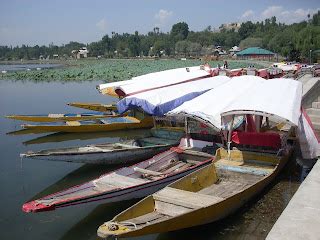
<point>94,106</point>
<point>145,123</point>
<point>196,217</point>
<point>112,157</point>
<point>40,118</point>
<point>121,184</point>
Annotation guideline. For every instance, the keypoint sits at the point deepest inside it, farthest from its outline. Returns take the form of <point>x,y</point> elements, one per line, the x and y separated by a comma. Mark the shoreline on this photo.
<point>108,70</point>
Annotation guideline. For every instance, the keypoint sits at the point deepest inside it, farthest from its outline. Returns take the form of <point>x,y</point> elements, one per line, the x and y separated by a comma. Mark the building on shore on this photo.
<point>230,26</point>
<point>256,53</point>
<point>234,50</point>
<point>81,53</point>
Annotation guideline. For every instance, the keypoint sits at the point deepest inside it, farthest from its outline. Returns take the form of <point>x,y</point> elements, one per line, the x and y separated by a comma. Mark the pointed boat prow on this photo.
<point>35,206</point>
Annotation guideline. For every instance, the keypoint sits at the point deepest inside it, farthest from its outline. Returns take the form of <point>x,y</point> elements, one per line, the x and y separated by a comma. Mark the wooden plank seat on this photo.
<point>184,198</point>
<point>117,180</point>
<point>146,171</point>
<point>175,168</point>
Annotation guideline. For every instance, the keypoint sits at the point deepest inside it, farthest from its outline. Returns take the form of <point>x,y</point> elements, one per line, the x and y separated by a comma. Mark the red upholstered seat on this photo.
<point>257,139</point>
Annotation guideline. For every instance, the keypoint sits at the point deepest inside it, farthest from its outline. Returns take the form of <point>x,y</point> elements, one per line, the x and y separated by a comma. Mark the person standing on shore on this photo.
<point>225,65</point>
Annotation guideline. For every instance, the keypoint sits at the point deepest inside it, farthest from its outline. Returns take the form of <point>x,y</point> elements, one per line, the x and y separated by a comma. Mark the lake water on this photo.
<point>25,67</point>
<point>23,180</point>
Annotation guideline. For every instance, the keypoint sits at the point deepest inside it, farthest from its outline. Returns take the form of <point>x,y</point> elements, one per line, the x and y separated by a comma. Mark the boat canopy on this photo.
<point>159,101</point>
<point>278,98</point>
<point>161,79</point>
<point>208,106</point>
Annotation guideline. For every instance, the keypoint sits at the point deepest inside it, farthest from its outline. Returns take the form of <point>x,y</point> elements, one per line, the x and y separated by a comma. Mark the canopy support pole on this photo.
<point>229,137</point>
<point>187,132</point>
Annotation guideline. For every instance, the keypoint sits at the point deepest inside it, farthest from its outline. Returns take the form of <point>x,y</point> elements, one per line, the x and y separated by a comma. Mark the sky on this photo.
<point>41,22</point>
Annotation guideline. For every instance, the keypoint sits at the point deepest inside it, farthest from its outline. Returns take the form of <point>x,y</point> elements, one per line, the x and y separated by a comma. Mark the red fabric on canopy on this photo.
<point>263,73</point>
<point>251,127</point>
<point>257,139</point>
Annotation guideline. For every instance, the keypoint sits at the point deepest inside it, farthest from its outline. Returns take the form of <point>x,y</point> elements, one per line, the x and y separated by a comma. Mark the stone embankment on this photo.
<point>300,219</point>
<point>311,98</point>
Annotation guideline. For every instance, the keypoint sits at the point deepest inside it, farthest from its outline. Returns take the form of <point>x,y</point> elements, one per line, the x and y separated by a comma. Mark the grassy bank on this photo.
<point>110,70</point>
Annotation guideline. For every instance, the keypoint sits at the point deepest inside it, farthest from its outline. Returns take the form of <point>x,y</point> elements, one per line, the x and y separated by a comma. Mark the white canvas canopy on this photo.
<point>278,98</point>
<point>154,80</point>
<point>162,79</point>
<point>160,101</point>
<point>208,106</point>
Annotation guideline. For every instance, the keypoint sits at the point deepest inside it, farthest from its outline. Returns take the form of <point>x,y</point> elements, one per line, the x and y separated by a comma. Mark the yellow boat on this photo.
<point>205,196</point>
<point>53,117</point>
<point>95,106</point>
<point>97,125</point>
<point>109,91</point>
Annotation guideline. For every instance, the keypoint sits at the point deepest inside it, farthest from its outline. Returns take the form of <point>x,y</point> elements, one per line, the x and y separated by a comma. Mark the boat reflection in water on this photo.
<point>82,174</point>
<point>86,228</point>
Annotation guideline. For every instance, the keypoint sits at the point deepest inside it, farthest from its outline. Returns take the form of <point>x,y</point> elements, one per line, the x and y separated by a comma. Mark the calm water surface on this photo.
<point>23,180</point>
<point>24,67</point>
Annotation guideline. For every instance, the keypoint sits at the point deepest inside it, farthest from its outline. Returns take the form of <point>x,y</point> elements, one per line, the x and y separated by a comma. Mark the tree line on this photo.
<point>293,42</point>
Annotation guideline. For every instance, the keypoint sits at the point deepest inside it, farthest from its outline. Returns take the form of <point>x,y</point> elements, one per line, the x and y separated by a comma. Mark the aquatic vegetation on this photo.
<point>109,69</point>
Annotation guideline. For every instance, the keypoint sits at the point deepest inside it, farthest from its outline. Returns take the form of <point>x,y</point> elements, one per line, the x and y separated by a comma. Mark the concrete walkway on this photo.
<point>301,218</point>
<point>308,81</point>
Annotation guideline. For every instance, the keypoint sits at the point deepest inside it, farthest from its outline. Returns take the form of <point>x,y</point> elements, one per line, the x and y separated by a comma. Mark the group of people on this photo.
<point>225,65</point>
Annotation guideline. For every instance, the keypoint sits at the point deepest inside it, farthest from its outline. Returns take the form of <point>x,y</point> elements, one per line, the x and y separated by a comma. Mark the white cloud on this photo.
<point>247,14</point>
<point>162,17</point>
<point>282,15</point>
<point>102,24</point>
<point>272,11</point>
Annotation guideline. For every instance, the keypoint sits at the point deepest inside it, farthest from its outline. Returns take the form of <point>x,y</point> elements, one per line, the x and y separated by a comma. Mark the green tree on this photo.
<point>182,47</point>
<point>134,44</point>
<point>179,31</point>
<point>250,42</point>
<point>316,19</point>
<point>246,29</point>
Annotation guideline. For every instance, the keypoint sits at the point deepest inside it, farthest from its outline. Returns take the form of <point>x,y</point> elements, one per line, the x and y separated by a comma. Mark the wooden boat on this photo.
<point>62,137</point>
<point>206,195</point>
<point>54,117</point>
<point>99,107</point>
<point>106,124</point>
<point>114,153</point>
<point>126,183</point>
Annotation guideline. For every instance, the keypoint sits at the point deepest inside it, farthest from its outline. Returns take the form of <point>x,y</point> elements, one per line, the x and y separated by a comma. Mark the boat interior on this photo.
<point>158,137</point>
<point>94,121</point>
<point>158,167</point>
<point>226,177</point>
